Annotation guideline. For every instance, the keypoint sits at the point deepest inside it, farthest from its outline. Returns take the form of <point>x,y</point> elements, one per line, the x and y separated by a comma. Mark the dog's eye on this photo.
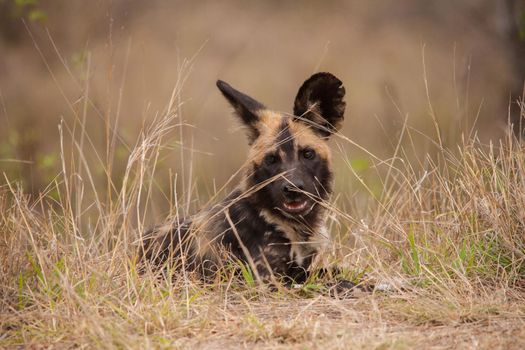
<point>270,159</point>
<point>309,153</point>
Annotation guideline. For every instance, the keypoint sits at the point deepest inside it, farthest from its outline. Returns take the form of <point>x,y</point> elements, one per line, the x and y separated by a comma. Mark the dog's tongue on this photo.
<point>294,205</point>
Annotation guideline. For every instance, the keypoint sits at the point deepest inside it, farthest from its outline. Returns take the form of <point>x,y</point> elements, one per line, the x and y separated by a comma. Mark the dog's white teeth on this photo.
<point>295,205</point>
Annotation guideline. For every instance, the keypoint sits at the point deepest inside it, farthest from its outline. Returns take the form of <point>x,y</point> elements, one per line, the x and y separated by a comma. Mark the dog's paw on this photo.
<point>342,289</point>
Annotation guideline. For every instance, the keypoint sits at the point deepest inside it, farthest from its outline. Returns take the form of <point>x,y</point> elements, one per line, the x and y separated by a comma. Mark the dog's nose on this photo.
<point>293,190</point>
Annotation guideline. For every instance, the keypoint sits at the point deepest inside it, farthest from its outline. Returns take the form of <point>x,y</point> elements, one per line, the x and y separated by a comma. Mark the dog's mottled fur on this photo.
<point>275,220</point>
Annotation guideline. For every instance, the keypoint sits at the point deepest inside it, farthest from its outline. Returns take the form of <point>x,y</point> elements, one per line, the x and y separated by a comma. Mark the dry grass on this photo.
<point>442,237</point>
<point>440,229</point>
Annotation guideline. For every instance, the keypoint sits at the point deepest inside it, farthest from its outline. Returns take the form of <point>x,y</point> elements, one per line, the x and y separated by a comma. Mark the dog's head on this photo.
<point>289,163</point>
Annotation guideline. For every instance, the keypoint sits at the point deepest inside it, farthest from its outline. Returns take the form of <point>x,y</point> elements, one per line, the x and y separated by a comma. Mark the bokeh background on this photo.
<point>401,62</point>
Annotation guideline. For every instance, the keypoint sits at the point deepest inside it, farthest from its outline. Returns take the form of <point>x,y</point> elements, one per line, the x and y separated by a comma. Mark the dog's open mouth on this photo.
<point>296,206</point>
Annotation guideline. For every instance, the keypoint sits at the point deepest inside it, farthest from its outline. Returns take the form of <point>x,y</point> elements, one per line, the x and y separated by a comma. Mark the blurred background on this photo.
<point>401,61</point>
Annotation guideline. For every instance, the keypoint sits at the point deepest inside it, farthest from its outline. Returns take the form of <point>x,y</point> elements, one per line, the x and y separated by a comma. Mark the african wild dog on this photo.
<point>275,219</point>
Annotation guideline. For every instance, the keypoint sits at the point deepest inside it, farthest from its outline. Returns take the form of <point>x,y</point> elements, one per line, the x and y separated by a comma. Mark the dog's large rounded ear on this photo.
<point>320,103</point>
<point>245,107</point>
